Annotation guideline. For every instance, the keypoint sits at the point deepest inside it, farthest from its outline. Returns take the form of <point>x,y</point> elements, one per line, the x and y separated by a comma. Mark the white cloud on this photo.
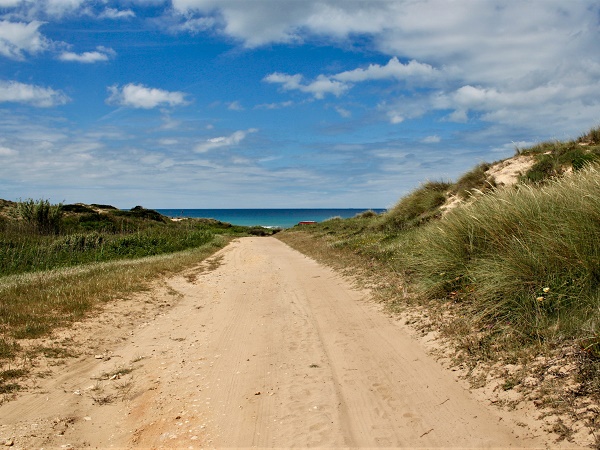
<point>61,7</point>
<point>101,54</point>
<point>18,37</point>
<point>112,13</point>
<point>9,3</point>
<point>394,69</point>
<point>224,141</point>
<point>343,112</point>
<point>278,105</point>
<point>13,91</point>
<point>533,58</point>
<point>434,139</point>
<point>338,84</point>
<point>5,151</point>
<point>395,118</point>
<point>139,96</point>
<point>194,25</point>
<point>262,23</point>
<point>458,116</point>
<point>235,106</point>
<point>321,86</point>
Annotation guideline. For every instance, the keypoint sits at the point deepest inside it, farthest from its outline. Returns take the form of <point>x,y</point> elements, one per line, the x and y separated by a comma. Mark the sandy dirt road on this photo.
<point>263,348</point>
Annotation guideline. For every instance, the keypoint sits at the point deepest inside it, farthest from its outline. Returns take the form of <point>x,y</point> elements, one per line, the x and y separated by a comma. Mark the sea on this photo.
<point>271,218</point>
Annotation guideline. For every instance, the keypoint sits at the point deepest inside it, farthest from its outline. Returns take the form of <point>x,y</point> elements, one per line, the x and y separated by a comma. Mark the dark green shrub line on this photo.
<point>42,236</point>
<point>32,253</point>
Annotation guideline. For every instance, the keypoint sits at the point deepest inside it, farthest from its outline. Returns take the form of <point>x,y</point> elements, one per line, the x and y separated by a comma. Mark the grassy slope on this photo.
<point>511,275</point>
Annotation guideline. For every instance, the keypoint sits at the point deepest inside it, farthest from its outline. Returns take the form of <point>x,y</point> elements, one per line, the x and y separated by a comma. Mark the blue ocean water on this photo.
<point>278,218</point>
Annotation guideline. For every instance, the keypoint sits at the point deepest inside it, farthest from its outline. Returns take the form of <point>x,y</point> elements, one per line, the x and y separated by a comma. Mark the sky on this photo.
<point>282,103</point>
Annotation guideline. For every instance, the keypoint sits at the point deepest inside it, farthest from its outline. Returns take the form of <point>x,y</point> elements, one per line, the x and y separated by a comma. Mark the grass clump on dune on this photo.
<point>418,207</point>
<point>526,258</point>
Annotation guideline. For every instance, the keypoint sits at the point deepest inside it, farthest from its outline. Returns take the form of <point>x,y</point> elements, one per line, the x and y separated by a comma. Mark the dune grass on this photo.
<point>527,259</point>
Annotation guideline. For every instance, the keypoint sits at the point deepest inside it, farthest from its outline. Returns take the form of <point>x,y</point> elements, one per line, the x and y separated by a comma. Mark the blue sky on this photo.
<point>282,103</point>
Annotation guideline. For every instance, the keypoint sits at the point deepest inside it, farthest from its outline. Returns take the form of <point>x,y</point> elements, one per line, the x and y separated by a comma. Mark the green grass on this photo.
<point>555,158</point>
<point>525,259</point>
<point>475,180</point>
<point>30,253</point>
<point>82,235</point>
<point>525,262</point>
<point>33,304</point>
<point>418,207</point>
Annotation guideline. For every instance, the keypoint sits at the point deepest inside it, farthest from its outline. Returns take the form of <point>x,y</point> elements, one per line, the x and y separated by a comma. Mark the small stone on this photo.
<point>99,356</point>
<point>9,443</point>
<point>257,393</point>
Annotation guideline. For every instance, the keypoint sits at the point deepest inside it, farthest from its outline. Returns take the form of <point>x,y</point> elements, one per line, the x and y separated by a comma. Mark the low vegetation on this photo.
<point>59,263</point>
<point>35,235</point>
<point>511,274</point>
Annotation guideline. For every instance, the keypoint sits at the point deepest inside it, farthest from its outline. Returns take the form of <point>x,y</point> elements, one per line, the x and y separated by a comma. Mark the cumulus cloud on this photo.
<point>139,96</point>
<point>499,53</point>
<point>263,23</point>
<point>17,38</point>
<point>6,151</point>
<point>321,86</point>
<point>15,92</point>
<point>235,106</point>
<point>224,141</point>
<point>61,7</point>
<point>434,139</point>
<point>394,69</point>
<point>112,13</point>
<point>277,105</point>
<point>101,54</point>
<point>338,84</point>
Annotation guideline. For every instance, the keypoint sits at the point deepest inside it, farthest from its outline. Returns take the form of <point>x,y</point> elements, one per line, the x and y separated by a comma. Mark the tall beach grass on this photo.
<point>527,258</point>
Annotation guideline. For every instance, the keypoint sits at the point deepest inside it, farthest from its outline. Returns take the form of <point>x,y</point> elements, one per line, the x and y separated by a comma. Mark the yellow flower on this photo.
<point>540,299</point>
<point>546,289</point>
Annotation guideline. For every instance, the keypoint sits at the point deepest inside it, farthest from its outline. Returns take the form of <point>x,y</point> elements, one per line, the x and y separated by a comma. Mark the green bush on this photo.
<point>41,216</point>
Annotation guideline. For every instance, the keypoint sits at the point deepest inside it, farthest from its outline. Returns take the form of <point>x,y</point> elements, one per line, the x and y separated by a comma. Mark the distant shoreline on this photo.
<point>266,217</point>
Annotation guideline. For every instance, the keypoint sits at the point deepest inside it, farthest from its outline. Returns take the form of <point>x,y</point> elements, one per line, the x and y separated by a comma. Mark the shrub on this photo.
<point>43,217</point>
<point>368,214</point>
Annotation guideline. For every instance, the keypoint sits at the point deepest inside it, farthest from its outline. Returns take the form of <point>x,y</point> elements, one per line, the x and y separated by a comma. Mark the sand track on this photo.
<point>269,349</point>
